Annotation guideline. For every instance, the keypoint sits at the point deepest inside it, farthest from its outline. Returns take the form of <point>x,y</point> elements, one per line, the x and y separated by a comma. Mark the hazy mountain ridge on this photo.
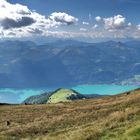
<point>132,81</point>
<point>25,64</point>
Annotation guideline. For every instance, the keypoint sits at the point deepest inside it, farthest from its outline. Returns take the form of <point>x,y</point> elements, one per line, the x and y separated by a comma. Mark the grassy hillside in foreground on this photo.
<point>108,118</point>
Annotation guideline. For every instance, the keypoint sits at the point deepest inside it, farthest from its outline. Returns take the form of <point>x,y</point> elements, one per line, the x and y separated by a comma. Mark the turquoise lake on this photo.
<point>103,89</point>
<point>10,95</point>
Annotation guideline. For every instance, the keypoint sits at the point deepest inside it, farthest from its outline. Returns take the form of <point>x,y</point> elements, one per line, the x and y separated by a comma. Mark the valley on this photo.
<point>66,63</point>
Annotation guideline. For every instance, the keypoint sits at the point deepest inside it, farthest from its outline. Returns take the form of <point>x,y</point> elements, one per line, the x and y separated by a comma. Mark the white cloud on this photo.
<point>138,26</point>
<point>63,18</point>
<point>83,29</point>
<point>98,18</point>
<point>95,26</point>
<point>85,23</point>
<point>129,24</point>
<point>116,22</point>
<point>16,16</point>
<point>18,20</point>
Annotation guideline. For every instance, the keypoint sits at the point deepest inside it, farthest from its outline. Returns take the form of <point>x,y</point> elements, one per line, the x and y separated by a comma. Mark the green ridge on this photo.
<point>64,95</point>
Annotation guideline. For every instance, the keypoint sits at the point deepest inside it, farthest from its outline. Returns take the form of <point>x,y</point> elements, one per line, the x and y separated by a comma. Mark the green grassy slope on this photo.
<point>64,95</point>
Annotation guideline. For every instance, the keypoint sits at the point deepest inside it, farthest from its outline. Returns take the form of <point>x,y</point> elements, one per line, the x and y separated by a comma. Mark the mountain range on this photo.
<point>65,63</point>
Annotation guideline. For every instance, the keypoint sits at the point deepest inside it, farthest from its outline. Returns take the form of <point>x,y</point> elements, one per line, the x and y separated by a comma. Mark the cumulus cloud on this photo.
<point>115,27</point>
<point>85,23</point>
<point>15,16</point>
<point>138,26</point>
<point>63,18</point>
<point>129,24</point>
<point>11,23</point>
<point>18,20</point>
<point>116,22</point>
<point>98,18</point>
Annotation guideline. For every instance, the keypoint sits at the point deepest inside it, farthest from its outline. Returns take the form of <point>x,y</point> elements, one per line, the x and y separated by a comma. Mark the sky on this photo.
<point>70,19</point>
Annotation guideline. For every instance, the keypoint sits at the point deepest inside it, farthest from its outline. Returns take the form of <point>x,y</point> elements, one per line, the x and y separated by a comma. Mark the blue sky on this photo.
<point>82,8</point>
<point>94,19</point>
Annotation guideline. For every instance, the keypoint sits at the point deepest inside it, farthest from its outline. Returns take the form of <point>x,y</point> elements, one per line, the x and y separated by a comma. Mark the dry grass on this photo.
<point>110,118</point>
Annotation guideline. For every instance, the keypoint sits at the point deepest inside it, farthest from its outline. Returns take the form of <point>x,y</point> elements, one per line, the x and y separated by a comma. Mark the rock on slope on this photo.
<point>38,99</point>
